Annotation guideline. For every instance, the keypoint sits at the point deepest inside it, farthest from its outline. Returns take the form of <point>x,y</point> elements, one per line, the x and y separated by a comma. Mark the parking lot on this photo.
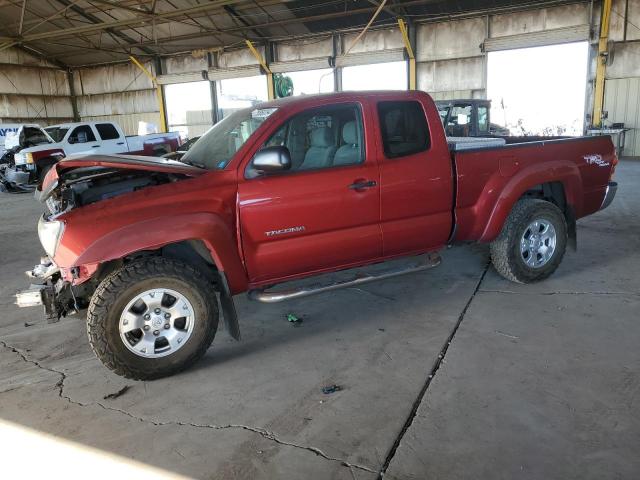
<point>449,373</point>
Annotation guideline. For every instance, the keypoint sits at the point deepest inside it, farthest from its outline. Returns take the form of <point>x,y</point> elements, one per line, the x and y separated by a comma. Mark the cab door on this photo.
<point>112,141</point>
<point>82,139</point>
<point>325,211</point>
<point>416,184</point>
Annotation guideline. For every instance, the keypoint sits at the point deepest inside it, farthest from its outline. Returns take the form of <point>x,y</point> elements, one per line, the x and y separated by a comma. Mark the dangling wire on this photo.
<point>364,30</point>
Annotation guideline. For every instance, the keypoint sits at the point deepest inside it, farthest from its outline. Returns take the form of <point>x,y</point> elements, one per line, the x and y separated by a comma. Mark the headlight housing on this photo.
<point>50,233</point>
<point>25,158</point>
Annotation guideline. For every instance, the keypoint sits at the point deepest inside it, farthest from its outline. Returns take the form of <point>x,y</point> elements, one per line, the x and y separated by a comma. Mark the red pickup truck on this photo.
<point>290,189</point>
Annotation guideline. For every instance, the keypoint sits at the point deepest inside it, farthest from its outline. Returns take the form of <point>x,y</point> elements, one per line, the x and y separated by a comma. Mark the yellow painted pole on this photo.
<point>410,54</point>
<point>271,91</point>
<point>601,66</point>
<point>159,96</point>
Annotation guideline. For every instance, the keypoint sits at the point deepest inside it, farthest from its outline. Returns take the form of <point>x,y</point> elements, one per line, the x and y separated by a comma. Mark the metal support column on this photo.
<point>212,63</point>
<point>601,65</point>
<point>271,92</point>
<point>410,53</point>
<point>337,71</point>
<point>159,94</point>
<point>74,99</point>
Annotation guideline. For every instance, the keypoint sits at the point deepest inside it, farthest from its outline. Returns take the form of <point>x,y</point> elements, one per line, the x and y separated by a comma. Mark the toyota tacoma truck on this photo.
<point>32,162</point>
<point>155,249</point>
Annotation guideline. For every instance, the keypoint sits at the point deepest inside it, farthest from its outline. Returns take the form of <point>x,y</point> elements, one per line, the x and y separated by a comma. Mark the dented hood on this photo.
<point>93,164</point>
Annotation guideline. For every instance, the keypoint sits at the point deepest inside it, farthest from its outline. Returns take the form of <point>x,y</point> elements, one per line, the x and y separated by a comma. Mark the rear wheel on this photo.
<point>152,318</point>
<point>532,242</point>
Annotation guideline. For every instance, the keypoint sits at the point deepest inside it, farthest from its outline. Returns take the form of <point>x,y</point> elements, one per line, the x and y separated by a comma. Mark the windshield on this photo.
<point>31,136</point>
<point>57,133</point>
<point>220,143</point>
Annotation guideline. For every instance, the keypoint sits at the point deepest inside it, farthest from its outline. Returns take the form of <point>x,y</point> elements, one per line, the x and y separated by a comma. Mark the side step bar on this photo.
<point>266,296</point>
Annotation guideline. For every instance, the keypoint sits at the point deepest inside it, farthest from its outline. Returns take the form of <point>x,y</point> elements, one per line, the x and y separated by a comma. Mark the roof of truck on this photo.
<point>348,95</point>
<point>462,100</point>
<point>77,124</point>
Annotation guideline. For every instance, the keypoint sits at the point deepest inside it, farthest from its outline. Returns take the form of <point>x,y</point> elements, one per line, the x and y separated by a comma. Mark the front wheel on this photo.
<point>532,242</point>
<point>152,318</point>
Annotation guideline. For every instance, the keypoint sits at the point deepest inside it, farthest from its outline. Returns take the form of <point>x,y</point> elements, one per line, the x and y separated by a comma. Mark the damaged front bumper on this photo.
<point>53,293</point>
<point>15,179</point>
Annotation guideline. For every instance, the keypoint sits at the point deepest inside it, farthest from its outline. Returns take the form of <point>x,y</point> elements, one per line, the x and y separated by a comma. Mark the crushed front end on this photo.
<point>61,291</point>
<point>50,290</point>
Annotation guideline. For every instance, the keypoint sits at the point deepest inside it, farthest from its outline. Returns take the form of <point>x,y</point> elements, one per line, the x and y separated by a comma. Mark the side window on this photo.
<point>459,121</point>
<point>483,119</point>
<point>82,134</point>
<point>461,115</point>
<point>322,137</point>
<point>107,131</point>
<point>404,128</point>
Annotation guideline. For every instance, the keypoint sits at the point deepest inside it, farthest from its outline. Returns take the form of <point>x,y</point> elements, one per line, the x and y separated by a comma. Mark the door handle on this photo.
<point>362,184</point>
<point>95,146</point>
<point>120,143</point>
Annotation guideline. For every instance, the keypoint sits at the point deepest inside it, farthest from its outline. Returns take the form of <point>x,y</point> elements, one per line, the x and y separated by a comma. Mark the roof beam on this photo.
<point>93,19</point>
<point>127,22</point>
<point>239,19</point>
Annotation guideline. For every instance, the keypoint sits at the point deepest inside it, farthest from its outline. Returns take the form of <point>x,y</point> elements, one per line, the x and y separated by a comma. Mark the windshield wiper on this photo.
<point>193,164</point>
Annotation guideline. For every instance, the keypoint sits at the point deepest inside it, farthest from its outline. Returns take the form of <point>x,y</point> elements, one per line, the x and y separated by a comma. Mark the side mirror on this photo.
<point>72,140</point>
<point>272,159</point>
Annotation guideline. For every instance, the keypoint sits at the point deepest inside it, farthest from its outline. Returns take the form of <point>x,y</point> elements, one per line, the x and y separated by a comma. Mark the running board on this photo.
<point>266,296</point>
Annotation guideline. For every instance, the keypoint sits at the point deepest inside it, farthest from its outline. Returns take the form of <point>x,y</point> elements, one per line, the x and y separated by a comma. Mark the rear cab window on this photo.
<point>107,131</point>
<point>404,129</point>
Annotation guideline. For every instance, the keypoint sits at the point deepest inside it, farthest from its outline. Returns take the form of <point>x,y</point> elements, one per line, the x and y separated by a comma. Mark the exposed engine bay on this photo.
<point>16,178</point>
<point>86,185</point>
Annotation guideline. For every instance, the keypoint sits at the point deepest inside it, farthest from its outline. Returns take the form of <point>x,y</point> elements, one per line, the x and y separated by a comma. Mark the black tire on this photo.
<point>119,288</point>
<point>505,250</point>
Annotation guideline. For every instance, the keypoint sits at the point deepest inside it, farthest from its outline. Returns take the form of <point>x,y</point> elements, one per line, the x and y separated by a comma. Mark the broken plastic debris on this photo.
<point>329,389</point>
<point>293,318</point>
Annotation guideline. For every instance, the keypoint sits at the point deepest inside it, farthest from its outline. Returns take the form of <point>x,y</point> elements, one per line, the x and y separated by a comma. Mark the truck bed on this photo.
<point>492,177</point>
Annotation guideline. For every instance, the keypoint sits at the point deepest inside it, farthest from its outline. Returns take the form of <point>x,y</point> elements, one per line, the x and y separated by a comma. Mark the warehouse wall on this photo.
<point>622,84</point>
<point>119,93</point>
<point>450,58</point>
<point>32,91</point>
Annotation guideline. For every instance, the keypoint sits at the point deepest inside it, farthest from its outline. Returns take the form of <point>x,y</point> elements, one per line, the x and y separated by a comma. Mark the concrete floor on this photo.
<point>539,381</point>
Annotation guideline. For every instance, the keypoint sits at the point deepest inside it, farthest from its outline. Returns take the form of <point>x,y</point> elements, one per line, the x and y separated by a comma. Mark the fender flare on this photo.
<point>564,172</point>
<point>158,232</point>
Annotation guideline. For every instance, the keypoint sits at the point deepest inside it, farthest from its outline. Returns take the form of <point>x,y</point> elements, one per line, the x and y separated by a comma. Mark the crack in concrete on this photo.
<point>432,373</point>
<point>260,431</point>
<point>558,293</point>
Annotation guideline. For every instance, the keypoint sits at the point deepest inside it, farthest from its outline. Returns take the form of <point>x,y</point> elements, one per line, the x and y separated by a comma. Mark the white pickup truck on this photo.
<point>31,162</point>
<point>108,137</point>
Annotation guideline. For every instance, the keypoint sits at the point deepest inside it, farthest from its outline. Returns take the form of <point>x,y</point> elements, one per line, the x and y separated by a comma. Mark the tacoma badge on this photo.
<point>282,231</point>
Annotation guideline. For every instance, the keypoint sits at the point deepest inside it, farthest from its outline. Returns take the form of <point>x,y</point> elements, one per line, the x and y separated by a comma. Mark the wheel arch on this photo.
<point>199,238</point>
<point>193,252</point>
<point>559,184</point>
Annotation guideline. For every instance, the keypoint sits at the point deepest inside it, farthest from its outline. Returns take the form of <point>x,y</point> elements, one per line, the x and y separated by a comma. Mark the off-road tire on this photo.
<point>505,250</point>
<point>117,289</point>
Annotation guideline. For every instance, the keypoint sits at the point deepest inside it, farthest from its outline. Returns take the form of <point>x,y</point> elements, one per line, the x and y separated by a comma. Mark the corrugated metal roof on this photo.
<point>84,32</point>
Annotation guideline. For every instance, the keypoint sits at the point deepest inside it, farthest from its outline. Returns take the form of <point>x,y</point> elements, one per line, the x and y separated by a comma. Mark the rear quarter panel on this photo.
<point>491,181</point>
